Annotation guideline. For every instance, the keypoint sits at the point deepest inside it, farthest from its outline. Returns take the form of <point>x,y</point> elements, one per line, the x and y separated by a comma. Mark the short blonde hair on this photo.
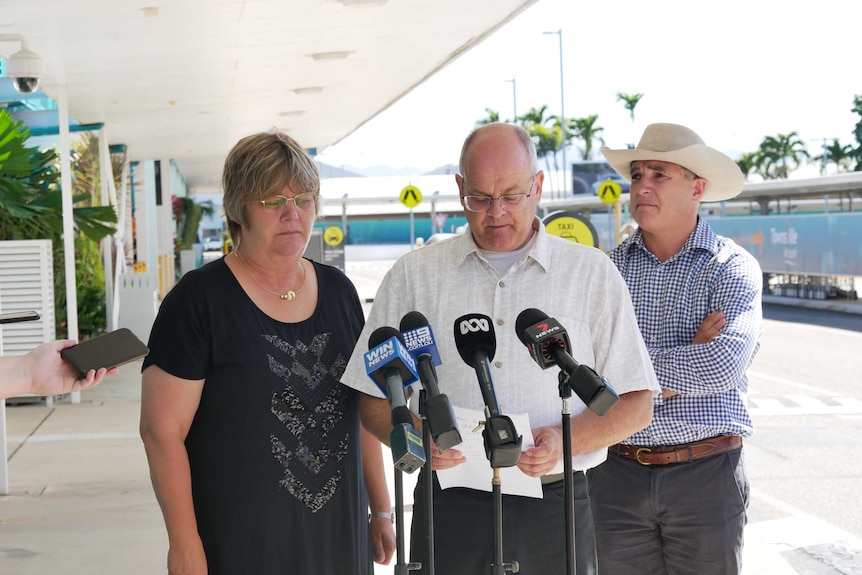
<point>260,166</point>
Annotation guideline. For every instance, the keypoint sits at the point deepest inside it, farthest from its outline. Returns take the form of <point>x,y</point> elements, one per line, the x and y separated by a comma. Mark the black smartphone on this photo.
<point>109,350</point>
<point>16,316</point>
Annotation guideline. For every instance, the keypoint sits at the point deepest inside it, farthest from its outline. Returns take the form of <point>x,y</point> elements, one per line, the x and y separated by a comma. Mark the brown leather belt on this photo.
<point>667,454</point>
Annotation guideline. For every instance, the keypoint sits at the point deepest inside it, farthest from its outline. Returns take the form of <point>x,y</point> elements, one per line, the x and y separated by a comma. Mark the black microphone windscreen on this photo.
<point>413,320</point>
<point>528,318</point>
<point>475,332</point>
<point>383,333</point>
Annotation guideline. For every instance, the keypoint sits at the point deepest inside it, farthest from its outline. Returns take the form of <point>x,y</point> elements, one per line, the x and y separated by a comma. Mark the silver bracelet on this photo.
<point>382,515</point>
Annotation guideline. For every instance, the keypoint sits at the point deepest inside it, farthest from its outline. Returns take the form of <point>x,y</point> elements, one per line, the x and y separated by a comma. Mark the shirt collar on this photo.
<point>701,238</point>
<point>540,250</point>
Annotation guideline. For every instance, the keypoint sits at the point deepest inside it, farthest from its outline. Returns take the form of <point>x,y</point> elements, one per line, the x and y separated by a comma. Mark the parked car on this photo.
<point>213,244</point>
<point>624,185</point>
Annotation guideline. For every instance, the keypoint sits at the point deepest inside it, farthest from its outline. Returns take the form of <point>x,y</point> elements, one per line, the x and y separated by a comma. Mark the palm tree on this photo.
<point>586,130</point>
<point>547,142</point>
<point>491,116</point>
<point>747,162</point>
<point>31,207</point>
<point>779,154</point>
<point>857,132</point>
<point>838,155</point>
<point>630,102</point>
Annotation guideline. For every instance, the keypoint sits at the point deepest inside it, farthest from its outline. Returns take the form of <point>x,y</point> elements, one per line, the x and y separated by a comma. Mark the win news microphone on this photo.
<point>549,345</point>
<point>420,342</point>
<point>391,367</point>
<point>476,343</point>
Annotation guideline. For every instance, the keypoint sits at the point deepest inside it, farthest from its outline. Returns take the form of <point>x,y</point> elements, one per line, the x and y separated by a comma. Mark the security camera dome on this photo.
<point>25,68</point>
<point>26,85</point>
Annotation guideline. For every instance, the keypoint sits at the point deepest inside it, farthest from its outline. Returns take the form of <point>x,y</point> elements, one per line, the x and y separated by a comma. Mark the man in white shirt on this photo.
<point>503,264</point>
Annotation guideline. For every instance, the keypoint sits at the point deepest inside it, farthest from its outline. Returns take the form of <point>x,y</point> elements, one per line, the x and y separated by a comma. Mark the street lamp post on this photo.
<point>563,130</point>
<point>514,101</point>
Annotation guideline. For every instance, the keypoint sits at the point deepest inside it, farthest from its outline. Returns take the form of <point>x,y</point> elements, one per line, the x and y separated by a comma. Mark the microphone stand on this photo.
<point>428,486</point>
<point>401,568</point>
<point>503,449</point>
<point>569,484</point>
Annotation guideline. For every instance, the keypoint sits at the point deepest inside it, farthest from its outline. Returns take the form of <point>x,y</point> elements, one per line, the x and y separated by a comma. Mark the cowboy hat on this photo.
<point>679,145</point>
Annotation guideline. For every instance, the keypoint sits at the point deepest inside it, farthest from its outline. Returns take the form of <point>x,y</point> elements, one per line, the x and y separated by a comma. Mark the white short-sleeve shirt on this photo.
<point>577,285</point>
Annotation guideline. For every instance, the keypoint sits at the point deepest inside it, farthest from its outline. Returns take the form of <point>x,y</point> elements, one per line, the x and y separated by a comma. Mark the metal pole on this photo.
<point>514,102</point>
<point>563,130</point>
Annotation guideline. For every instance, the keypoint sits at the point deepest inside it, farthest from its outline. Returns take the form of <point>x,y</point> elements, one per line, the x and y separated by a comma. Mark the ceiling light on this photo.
<point>335,55</point>
<point>291,113</point>
<point>362,2</point>
<point>308,90</point>
<point>150,11</point>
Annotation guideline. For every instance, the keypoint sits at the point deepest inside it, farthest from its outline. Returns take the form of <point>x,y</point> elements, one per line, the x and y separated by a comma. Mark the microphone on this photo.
<point>391,367</point>
<point>420,342</point>
<point>549,345</point>
<point>476,343</point>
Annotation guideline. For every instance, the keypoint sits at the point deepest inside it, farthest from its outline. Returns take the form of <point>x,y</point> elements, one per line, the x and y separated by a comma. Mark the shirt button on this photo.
<point>500,322</point>
<point>652,339</point>
<point>502,284</point>
<point>498,364</point>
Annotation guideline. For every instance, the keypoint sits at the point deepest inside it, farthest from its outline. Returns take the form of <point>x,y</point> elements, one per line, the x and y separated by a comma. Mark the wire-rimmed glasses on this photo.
<point>508,202</point>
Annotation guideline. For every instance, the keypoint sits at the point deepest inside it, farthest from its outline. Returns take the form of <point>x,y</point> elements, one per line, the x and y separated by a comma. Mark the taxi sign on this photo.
<point>572,226</point>
<point>411,196</point>
<point>333,236</point>
<point>609,191</point>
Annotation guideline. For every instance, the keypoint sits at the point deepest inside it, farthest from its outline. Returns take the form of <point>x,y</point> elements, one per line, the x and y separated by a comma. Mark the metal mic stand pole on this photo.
<point>498,567</point>
<point>565,395</point>
<point>401,568</point>
<point>428,486</point>
<point>503,449</point>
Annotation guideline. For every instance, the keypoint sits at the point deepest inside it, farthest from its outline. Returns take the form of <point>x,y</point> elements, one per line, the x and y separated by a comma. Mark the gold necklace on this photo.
<point>290,295</point>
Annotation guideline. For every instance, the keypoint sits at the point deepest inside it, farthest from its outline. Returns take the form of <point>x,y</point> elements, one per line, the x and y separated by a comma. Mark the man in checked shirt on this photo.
<point>672,498</point>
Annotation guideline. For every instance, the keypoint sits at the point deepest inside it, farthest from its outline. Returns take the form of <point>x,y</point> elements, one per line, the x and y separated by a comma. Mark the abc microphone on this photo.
<point>391,367</point>
<point>548,344</point>
<point>476,343</point>
<point>420,342</point>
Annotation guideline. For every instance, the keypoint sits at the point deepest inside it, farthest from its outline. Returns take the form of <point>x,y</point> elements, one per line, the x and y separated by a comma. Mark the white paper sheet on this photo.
<point>476,472</point>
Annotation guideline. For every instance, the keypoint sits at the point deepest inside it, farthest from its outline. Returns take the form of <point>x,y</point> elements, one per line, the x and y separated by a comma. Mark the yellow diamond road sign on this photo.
<point>609,191</point>
<point>411,196</point>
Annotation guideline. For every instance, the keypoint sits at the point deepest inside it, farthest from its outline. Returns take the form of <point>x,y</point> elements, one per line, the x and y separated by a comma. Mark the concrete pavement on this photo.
<point>81,502</point>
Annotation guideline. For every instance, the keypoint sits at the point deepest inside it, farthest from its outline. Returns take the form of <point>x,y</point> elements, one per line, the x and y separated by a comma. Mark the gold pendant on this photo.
<point>289,296</point>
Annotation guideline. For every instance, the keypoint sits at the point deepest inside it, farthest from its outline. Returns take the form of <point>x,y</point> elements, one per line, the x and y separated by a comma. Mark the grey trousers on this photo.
<point>534,530</point>
<point>678,519</point>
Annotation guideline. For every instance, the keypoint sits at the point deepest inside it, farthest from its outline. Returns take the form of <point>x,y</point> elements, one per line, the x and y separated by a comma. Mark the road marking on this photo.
<point>799,530</point>
<point>813,389</point>
<point>803,405</point>
<point>74,437</point>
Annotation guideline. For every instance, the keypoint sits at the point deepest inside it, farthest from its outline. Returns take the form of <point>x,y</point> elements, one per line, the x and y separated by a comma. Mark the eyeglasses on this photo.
<point>301,201</point>
<point>508,202</point>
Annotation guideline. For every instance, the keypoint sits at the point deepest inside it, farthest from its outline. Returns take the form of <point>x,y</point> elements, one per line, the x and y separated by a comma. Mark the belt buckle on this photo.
<point>638,455</point>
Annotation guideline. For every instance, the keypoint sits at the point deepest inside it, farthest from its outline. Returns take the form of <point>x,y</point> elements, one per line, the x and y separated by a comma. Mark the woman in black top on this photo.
<point>255,449</point>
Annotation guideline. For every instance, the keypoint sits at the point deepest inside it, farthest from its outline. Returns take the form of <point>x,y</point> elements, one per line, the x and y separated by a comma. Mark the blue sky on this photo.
<point>734,71</point>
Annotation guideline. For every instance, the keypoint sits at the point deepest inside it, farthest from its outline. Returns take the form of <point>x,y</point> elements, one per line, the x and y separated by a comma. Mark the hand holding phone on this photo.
<point>109,350</point>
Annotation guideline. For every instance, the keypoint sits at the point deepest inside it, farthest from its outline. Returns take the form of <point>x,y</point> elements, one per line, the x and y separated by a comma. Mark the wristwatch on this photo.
<point>382,515</point>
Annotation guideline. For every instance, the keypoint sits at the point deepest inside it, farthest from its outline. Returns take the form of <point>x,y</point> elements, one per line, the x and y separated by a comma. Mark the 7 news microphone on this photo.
<point>419,340</point>
<point>549,345</point>
<point>391,367</point>
<point>476,343</point>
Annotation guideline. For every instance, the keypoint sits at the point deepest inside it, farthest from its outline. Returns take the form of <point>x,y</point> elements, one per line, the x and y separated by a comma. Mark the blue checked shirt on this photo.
<point>671,300</point>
